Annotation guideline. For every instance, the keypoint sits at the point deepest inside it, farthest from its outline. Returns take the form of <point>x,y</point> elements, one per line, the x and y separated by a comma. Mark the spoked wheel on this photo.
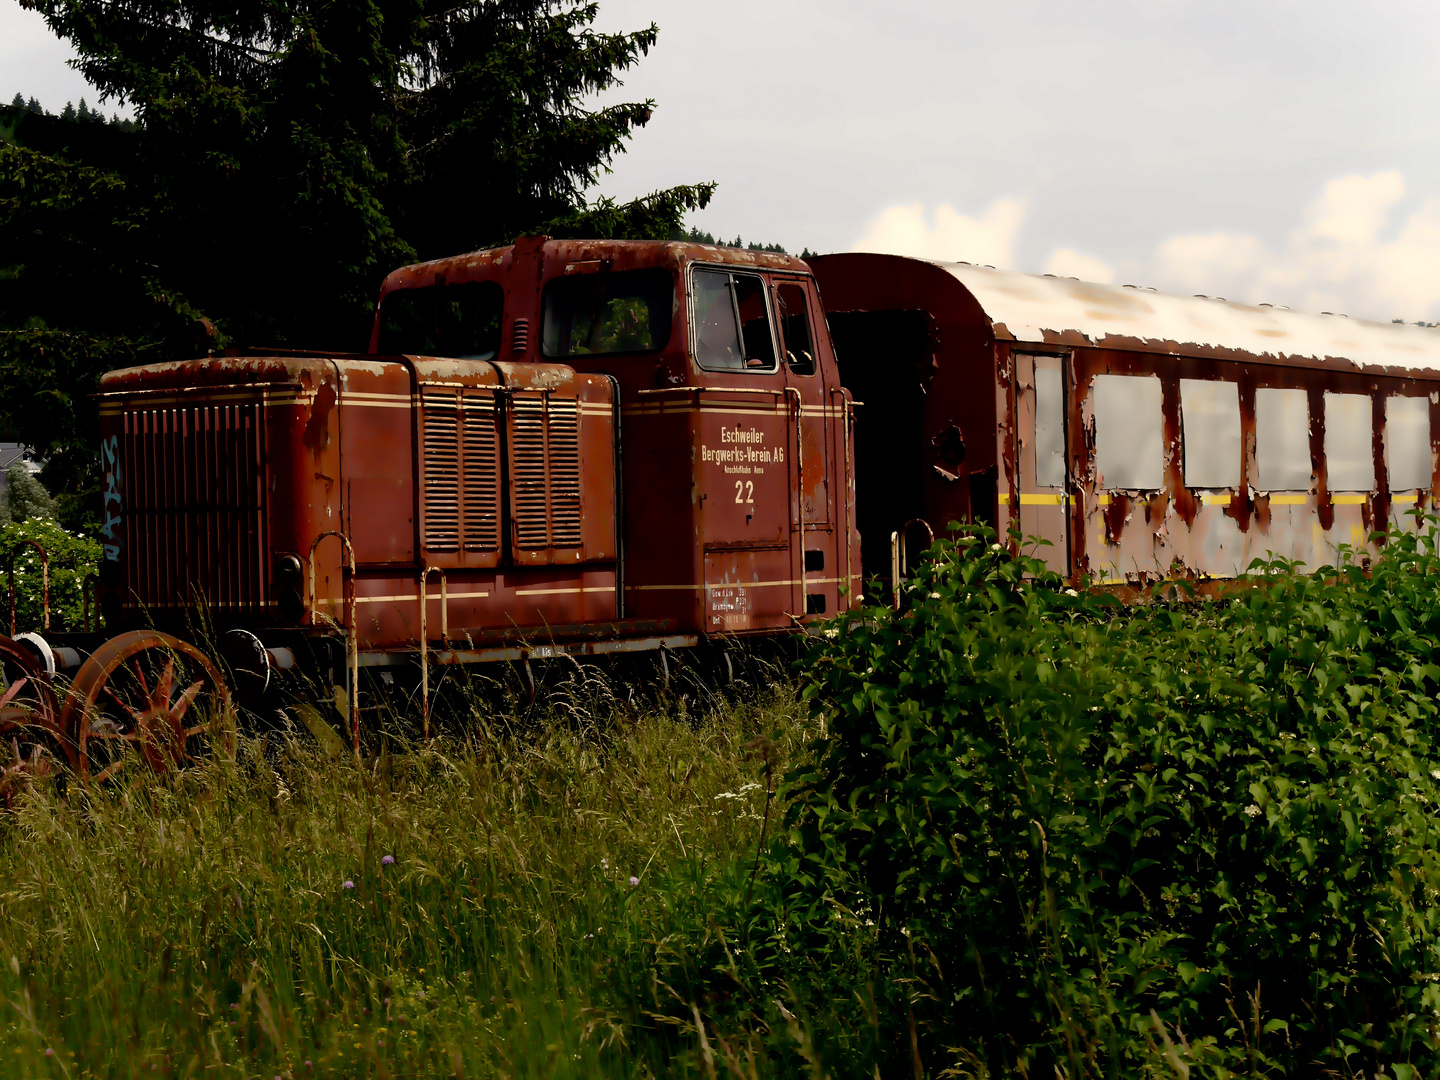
<point>151,694</point>
<point>30,736</point>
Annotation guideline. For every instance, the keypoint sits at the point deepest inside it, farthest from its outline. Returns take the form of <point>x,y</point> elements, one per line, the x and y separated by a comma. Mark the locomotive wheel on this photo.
<point>29,719</point>
<point>151,693</point>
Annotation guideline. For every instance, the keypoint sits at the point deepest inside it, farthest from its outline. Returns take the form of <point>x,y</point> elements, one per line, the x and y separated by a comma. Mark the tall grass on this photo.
<point>554,872</point>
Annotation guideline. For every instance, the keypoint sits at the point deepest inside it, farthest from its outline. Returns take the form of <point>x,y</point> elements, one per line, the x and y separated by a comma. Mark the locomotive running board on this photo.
<point>531,652</point>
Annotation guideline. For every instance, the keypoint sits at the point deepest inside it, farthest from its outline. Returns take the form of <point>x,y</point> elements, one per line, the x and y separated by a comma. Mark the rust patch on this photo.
<point>1319,472</point>
<point>1116,514</point>
<point>317,426</point>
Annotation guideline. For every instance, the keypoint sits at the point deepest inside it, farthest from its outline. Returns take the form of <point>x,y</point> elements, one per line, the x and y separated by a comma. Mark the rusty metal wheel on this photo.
<point>150,694</point>
<point>31,740</point>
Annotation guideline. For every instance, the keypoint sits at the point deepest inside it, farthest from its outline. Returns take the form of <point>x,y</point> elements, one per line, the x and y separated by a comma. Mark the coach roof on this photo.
<point>1062,311</point>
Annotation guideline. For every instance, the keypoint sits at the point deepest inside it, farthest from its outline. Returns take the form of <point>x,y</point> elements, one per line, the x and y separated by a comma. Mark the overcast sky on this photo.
<point>1265,150</point>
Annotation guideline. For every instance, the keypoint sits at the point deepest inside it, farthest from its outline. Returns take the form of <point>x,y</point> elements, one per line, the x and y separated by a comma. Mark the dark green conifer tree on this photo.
<point>282,160</point>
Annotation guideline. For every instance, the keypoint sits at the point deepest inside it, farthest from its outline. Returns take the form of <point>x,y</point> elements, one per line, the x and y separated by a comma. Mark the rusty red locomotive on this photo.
<point>587,447</point>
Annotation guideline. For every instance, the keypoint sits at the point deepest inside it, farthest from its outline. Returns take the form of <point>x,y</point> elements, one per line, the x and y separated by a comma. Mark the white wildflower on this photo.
<point>1252,810</point>
<point>1435,773</point>
<point>1071,592</point>
<point>832,633</point>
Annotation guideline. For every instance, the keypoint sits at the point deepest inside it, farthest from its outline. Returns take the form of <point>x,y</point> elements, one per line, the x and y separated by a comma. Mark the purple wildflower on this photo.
<point>634,881</point>
<point>387,860</point>
<point>349,885</point>
<point>49,1051</point>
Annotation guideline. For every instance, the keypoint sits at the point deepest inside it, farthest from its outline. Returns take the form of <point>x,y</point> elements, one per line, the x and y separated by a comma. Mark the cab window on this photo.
<point>605,313</point>
<point>794,316</point>
<point>731,321</point>
<point>461,321</point>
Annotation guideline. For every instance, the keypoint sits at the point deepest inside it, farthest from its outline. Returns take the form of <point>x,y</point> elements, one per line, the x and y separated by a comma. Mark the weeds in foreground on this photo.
<point>528,899</point>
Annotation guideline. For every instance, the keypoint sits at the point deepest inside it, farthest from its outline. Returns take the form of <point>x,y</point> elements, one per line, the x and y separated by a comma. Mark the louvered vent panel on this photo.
<point>441,437</point>
<point>527,471</point>
<point>563,430</point>
<point>480,473</point>
<point>194,504</point>
<point>545,470</point>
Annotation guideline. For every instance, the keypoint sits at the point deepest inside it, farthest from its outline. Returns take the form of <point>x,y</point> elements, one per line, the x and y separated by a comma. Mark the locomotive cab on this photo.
<point>734,507</point>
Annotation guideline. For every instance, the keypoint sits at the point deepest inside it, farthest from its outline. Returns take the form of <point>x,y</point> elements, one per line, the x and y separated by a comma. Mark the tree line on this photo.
<point>82,112</point>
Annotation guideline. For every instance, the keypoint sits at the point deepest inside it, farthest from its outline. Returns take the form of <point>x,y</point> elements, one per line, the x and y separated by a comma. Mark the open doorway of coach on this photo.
<point>885,359</point>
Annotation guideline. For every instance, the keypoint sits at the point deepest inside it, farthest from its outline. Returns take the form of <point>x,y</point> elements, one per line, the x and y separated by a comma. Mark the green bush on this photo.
<point>1194,836</point>
<point>73,557</point>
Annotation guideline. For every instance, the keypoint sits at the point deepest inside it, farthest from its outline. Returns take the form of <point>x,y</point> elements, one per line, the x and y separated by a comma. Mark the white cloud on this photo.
<point>1352,250</point>
<point>950,236</point>
<point>1338,259</point>
<point>1067,262</point>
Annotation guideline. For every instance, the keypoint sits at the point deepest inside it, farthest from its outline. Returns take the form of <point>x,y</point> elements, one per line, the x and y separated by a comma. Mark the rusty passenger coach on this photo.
<point>581,448</point>
<point>1145,436</point>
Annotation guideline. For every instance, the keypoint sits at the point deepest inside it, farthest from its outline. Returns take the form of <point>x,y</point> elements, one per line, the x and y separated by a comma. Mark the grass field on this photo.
<point>525,898</point>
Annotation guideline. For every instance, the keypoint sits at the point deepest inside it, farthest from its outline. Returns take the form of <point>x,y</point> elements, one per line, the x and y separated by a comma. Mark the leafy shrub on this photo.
<point>72,558</point>
<point>1192,835</point>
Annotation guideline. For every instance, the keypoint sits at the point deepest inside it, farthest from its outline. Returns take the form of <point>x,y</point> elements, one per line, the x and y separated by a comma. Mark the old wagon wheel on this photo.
<point>29,719</point>
<point>151,693</point>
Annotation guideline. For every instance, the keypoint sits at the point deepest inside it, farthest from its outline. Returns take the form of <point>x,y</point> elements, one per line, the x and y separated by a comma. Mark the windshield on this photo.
<point>603,313</point>
<point>460,321</point>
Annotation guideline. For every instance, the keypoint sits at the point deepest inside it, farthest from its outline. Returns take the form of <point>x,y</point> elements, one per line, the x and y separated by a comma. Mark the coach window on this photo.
<point>731,321</point>
<point>1210,419</point>
<point>1349,443</point>
<point>1049,423</point>
<point>1129,441</point>
<point>461,321</point>
<point>605,313</point>
<point>794,316</point>
<point>1282,440</point>
<point>1407,443</point>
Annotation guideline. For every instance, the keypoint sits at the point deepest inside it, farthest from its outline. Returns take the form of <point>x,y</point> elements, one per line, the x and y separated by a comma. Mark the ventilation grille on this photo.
<point>521,336</point>
<point>194,505</point>
<point>461,466</point>
<point>545,471</point>
<point>480,473</point>
<point>441,423</point>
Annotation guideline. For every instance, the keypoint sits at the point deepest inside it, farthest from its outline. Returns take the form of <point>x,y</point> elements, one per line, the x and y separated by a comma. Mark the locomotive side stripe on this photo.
<point>358,400</point>
<point>742,584</point>
<point>114,406</point>
<point>566,592</point>
<point>738,408</point>
<point>411,598</point>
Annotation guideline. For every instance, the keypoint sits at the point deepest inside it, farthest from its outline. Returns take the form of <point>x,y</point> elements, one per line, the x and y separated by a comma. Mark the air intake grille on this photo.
<point>521,338</point>
<point>461,466</point>
<point>194,504</point>
<point>441,424</point>
<point>480,473</point>
<point>545,470</point>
